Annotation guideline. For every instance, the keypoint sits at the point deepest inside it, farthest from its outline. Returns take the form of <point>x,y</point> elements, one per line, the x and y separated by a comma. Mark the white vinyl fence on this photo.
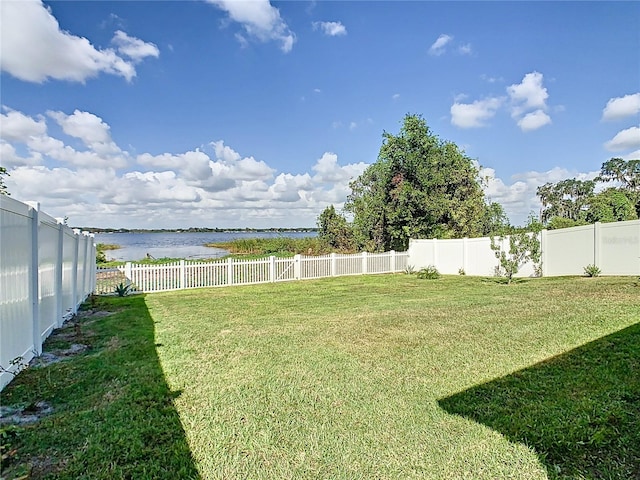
<point>190,274</point>
<point>612,247</point>
<point>46,271</point>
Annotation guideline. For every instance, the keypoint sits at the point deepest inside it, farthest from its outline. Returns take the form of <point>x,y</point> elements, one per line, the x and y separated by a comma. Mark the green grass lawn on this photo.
<point>361,377</point>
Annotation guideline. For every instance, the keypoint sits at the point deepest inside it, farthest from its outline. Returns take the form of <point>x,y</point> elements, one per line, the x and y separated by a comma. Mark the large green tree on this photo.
<point>420,186</point>
<point>334,230</point>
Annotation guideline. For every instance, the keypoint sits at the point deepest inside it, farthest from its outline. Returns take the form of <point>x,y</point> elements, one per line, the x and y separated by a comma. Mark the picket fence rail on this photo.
<point>193,274</point>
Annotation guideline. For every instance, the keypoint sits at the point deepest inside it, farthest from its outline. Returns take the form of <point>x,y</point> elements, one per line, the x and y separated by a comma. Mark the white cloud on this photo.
<point>490,79</point>
<point>529,102</point>
<point>529,94</point>
<point>34,48</point>
<point>353,126</point>
<point>395,96</point>
<point>622,107</point>
<point>534,120</point>
<point>18,127</point>
<point>11,158</point>
<point>465,49</point>
<point>624,140</point>
<point>332,29</point>
<point>260,20</point>
<point>134,48</point>
<point>247,168</point>
<point>473,115</point>
<point>438,47</point>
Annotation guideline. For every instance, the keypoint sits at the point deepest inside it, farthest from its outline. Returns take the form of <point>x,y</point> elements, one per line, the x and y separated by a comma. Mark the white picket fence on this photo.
<point>193,274</point>
<point>46,271</point>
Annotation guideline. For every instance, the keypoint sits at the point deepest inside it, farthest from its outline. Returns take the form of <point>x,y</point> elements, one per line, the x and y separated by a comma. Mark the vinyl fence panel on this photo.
<point>612,247</point>
<point>46,270</point>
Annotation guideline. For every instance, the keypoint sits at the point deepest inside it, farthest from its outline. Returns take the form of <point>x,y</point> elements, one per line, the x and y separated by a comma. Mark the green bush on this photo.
<point>428,273</point>
<point>592,270</point>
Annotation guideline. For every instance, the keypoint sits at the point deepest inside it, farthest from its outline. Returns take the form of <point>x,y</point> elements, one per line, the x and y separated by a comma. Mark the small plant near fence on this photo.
<point>461,271</point>
<point>122,289</point>
<point>592,270</point>
<point>428,273</point>
<point>410,270</point>
<point>523,247</point>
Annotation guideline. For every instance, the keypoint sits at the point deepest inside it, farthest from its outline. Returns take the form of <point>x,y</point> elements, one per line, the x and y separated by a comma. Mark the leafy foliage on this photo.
<point>524,246</point>
<point>592,270</point>
<point>573,202</point>
<point>334,231</point>
<point>428,273</point>
<point>3,187</point>
<point>122,289</point>
<point>420,186</point>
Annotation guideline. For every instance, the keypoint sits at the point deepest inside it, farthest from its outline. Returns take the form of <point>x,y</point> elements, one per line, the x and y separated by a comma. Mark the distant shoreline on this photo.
<point>198,230</point>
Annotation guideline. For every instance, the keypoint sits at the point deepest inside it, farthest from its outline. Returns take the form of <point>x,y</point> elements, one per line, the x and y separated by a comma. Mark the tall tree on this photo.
<point>627,174</point>
<point>567,199</point>
<point>334,230</point>
<point>420,186</point>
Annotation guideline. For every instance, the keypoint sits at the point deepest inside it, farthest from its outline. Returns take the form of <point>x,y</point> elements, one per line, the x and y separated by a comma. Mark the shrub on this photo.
<point>591,270</point>
<point>461,271</point>
<point>428,273</point>
<point>122,289</point>
<point>410,270</point>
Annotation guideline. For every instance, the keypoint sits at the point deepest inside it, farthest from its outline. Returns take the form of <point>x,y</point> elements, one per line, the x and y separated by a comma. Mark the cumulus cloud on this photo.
<point>465,49</point>
<point>438,47</point>
<point>332,29</point>
<point>18,127</point>
<point>473,115</point>
<point>534,120</point>
<point>621,107</point>
<point>134,48</point>
<point>624,140</point>
<point>529,94</point>
<point>34,48</point>
<point>259,20</point>
<point>529,102</point>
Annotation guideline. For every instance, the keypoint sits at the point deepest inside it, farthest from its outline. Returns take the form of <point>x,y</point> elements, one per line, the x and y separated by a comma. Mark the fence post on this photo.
<point>128,273</point>
<point>34,284</point>
<point>59,265</point>
<point>543,252</point>
<point>334,264</point>
<point>94,266</point>
<point>596,244</point>
<point>296,267</point>
<point>272,268</point>
<point>74,270</point>
<point>183,275</point>
<point>435,252</point>
<point>230,271</point>
<point>364,262</point>
<point>465,254</point>
<point>392,261</point>
<point>85,263</point>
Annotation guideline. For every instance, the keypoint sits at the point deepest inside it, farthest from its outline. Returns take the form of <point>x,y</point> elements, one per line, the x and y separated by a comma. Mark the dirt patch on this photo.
<point>55,356</point>
<point>25,415</point>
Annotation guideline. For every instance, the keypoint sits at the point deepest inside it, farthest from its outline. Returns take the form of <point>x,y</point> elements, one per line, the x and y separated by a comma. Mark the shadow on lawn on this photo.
<point>113,413</point>
<point>580,411</point>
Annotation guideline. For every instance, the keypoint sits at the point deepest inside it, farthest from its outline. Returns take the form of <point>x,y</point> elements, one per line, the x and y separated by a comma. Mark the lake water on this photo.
<point>136,246</point>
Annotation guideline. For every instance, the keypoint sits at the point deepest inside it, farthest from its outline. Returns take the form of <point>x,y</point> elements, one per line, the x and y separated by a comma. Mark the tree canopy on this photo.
<point>574,202</point>
<point>421,187</point>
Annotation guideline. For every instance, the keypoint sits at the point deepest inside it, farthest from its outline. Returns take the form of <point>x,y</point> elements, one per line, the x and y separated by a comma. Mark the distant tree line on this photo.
<point>574,202</point>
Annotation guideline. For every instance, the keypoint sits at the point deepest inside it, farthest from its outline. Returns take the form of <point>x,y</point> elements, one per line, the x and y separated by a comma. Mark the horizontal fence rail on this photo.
<point>193,274</point>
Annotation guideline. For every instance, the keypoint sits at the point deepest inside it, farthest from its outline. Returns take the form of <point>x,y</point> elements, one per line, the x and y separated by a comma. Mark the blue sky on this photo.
<point>258,114</point>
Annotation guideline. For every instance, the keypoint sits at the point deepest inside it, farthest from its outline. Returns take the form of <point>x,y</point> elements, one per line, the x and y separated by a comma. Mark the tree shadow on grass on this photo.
<point>580,411</point>
<point>112,411</point>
